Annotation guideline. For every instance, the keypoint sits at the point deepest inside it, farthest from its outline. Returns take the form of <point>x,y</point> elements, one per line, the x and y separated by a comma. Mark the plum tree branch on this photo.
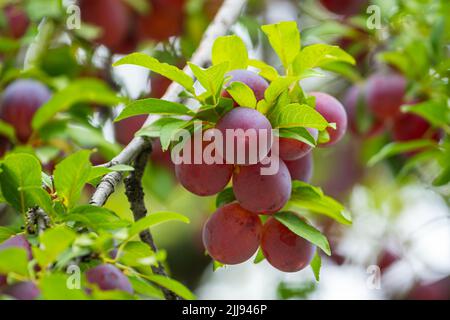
<point>135,195</point>
<point>225,18</point>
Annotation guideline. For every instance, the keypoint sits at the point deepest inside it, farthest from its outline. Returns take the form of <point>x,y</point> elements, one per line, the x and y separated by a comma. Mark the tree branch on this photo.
<point>225,18</point>
<point>135,195</point>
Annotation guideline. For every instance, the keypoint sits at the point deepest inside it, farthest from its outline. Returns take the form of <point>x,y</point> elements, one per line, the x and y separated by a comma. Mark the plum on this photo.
<point>239,126</point>
<point>261,193</point>
<point>283,249</point>
<point>232,234</point>
<point>108,277</point>
<point>333,111</point>
<point>19,102</point>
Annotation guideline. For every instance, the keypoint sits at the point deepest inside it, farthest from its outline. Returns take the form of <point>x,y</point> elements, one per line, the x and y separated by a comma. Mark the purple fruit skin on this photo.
<point>19,102</point>
<point>254,81</point>
<point>245,118</point>
<point>333,111</point>
<point>203,179</point>
<point>2,281</point>
<point>385,95</point>
<point>20,242</point>
<point>301,169</point>
<point>22,291</point>
<point>264,194</point>
<point>108,277</point>
<point>291,149</point>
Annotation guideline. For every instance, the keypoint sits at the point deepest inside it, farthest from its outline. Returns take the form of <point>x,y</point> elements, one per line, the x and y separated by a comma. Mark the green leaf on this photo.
<point>297,115</point>
<point>89,138</point>
<point>173,286</point>
<point>230,49</point>
<point>57,286</point>
<point>316,264</point>
<point>144,288</point>
<point>154,129</point>
<point>14,260</point>
<point>153,106</point>
<point>96,218</point>
<point>53,243</point>
<point>154,219</point>
<point>217,265</point>
<point>443,178</point>
<point>319,55</point>
<point>395,148</point>
<point>434,111</point>
<point>71,175</point>
<point>140,6</point>
<point>139,254</point>
<point>259,256</point>
<point>164,69</point>
<point>275,89</point>
<point>224,197</point>
<point>312,198</point>
<point>304,230</point>
<point>242,94</point>
<point>8,131</point>
<point>5,233</point>
<point>300,134</point>
<point>284,38</point>
<point>20,171</point>
<point>265,70</point>
<point>84,90</point>
<point>98,172</point>
<point>168,132</point>
<point>212,78</point>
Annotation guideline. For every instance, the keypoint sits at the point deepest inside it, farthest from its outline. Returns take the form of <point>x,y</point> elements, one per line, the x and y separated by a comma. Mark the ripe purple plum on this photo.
<point>301,169</point>
<point>353,100</point>
<point>292,149</point>
<point>108,277</point>
<point>22,291</point>
<point>283,249</point>
<point>385,94</point>
<point>17,21</point>
<point>202,179</point>
<point>232,234</point>
<point>18,242</point>
<point>333,111</point>
<point>165,19</point>
<point>113,17</point>
<point>262,193</point>
<point>344,7</point>
<point>438,290</point>
<point>250,133</point>
<point>20,101</point>
<point>126,128</point>
<point>254,81</point>
<point>409,126</point>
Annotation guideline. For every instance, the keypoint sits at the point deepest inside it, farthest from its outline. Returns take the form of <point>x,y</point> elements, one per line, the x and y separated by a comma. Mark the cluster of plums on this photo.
<point>105,277</point>
<point>123,28</point>
<point>234,232</point>
<point>379,101</point>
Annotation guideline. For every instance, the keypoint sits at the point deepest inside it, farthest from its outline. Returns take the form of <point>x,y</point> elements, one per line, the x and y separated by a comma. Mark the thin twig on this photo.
<point>135,195</point>
<point>224,19</point>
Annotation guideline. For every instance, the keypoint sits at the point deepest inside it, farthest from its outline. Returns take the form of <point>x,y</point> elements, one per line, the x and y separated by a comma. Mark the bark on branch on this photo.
<point>225,18</point>
<point>135,195</point>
